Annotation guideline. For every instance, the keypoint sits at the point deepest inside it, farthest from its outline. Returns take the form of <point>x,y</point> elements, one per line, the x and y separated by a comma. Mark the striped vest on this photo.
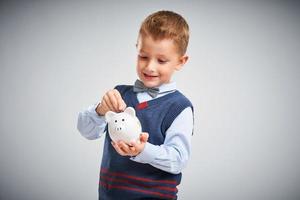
<point>122,178</point>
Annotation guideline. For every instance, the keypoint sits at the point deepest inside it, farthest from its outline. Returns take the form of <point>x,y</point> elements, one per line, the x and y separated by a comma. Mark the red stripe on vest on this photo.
<point>106,178</point>
<point>109,186</point>
<point>103,170</point>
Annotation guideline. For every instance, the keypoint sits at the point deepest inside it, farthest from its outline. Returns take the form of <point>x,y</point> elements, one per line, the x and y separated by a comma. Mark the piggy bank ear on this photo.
<point>109,115</point>
<point>130,111</point>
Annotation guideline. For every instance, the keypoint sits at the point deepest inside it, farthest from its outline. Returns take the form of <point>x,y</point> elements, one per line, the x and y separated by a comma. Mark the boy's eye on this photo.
<point>143,57</point>
<point>116,121</point>
<point>123,120</point>
<point>161,61</point>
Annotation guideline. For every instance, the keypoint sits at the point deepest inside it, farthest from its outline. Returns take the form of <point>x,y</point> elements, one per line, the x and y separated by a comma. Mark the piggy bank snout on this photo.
<point>119,128</point>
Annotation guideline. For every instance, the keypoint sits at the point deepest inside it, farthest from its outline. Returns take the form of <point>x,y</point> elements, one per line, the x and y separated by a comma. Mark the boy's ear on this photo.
<point>109,115</point>
<point>182,60</point>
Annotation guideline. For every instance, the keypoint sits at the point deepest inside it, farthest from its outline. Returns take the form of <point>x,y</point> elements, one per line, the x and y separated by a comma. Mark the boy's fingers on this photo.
<point>144,137</point>
<point>104,106</point>
<point>108,103</point>
<point>124,147</point>
<point>113,100</point>
<point>118,149</point>
<point>133,144</point>
<point>117,93</point>
<point>132,149</point>
<point>121,103</point>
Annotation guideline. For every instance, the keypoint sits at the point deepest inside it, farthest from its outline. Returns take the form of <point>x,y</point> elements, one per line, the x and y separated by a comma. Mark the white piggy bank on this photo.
<point>123,126</point>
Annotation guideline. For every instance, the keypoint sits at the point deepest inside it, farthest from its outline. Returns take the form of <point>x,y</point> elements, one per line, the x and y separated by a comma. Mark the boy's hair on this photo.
<point>167,25</point>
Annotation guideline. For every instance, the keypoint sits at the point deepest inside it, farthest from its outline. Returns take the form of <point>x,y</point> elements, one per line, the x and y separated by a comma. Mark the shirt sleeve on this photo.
<point>90,124</point>
<point>173,155</point>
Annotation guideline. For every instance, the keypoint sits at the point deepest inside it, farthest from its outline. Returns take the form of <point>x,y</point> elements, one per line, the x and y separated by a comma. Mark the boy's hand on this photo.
<point>134,148</point>
<point>111,101</point>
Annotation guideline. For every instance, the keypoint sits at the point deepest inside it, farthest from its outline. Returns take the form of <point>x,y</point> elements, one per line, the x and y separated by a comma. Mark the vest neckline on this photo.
<point>152,101</point>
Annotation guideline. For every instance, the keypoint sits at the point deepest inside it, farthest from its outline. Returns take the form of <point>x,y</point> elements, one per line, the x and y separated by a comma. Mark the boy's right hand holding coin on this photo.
<point>111,101</point>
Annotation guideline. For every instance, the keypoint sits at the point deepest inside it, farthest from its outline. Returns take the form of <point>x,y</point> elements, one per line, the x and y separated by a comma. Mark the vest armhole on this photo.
<point>172,113</point>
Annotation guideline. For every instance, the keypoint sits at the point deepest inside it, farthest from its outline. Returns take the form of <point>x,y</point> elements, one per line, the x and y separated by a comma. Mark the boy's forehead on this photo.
<point>160,46</point>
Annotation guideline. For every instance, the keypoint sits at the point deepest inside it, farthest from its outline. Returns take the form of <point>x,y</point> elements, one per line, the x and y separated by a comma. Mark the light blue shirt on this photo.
<point>172,156</point>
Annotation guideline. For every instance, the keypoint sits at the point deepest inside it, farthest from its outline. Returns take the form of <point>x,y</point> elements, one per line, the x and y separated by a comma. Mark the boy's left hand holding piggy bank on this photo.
<point>112,101</point>
<point>134,148</point>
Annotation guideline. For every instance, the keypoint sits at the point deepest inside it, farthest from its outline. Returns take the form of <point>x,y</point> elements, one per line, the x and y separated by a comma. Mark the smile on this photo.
<point>147,76</point>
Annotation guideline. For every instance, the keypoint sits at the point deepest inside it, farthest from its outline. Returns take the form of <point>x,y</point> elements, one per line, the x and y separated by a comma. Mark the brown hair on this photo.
<point>167,25</point>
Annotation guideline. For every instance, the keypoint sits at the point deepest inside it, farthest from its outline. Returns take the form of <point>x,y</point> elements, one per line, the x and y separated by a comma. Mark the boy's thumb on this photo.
<point>144,137</point>
<point>122,106</point>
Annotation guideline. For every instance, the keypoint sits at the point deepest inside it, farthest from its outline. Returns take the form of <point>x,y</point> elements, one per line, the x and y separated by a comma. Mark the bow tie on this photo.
<point>140,87</point>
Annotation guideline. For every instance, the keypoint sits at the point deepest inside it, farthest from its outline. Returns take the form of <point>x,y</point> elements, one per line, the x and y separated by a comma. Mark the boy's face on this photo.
<point>157,60</point>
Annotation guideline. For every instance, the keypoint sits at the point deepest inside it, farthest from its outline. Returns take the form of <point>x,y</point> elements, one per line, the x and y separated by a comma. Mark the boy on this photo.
<point>150,169</point>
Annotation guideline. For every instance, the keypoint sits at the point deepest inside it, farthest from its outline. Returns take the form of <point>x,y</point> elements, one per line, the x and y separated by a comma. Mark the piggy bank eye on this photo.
<point>116,121</point>
<point>123,120</point>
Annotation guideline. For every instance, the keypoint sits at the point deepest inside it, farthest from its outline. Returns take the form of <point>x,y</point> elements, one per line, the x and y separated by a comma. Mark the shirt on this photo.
<point>172,156</point>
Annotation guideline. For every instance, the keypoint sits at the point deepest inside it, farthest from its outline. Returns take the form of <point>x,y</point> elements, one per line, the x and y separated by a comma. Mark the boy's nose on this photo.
<point>150,66</point>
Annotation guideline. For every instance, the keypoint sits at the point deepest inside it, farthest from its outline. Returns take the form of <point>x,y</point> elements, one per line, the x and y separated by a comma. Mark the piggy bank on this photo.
<point>123,126</point>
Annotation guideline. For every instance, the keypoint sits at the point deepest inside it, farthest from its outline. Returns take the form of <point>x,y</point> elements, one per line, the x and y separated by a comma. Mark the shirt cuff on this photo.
<point>148,155</point>
<point>94,115</point>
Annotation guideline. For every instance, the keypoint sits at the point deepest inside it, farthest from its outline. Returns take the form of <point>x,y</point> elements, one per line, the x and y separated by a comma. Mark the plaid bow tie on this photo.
<point>140,87</point>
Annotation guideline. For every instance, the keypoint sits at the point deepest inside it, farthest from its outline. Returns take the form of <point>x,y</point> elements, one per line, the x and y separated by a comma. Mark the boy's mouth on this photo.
<point>150,76</point>
<point>147,76</point>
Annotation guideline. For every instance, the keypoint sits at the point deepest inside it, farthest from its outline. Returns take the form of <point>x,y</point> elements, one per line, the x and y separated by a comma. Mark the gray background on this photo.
<point>243,76</point>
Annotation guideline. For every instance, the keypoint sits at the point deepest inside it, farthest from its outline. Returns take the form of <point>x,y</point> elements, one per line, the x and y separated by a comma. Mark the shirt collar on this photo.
<point>166,87</point>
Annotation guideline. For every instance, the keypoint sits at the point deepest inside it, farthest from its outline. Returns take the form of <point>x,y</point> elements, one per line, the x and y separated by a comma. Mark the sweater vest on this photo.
<point>122,178</point>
